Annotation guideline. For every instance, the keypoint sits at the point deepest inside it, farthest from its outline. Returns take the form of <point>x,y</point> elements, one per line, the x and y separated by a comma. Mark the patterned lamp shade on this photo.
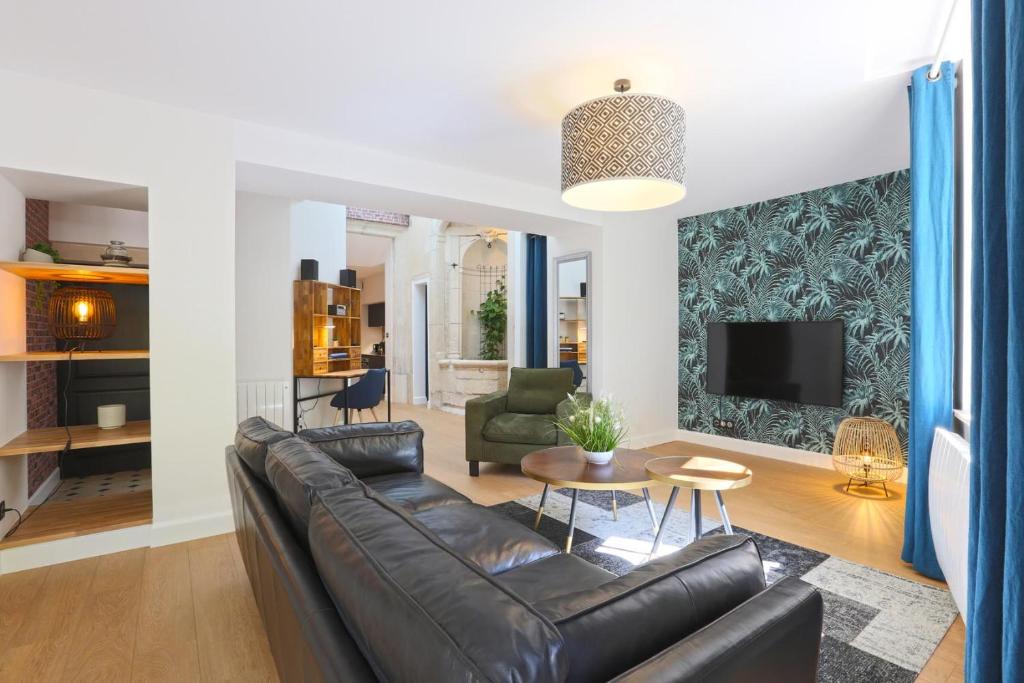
<point>867,450</point>
<point>78,313</point>
<point>624,153</point>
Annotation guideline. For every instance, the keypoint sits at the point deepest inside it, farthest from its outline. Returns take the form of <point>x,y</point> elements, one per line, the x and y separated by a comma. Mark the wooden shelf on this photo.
<point>82,436</point>
<point>53,521</point>
<point>66,272</point>
<point>77,355</point>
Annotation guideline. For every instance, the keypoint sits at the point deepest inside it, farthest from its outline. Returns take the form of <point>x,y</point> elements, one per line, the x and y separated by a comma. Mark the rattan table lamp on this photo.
<point>867,450</point>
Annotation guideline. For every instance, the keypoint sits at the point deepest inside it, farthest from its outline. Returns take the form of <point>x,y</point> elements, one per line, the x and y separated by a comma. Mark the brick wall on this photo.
<point>41,378</point>
<point>376,216</point>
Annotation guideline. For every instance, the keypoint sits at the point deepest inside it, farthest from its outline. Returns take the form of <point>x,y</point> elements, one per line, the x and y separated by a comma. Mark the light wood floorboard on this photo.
<point>186,612</point>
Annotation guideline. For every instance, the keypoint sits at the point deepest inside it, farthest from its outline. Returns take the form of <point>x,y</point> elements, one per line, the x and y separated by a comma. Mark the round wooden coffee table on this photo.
<point>697,473</point>
<point>565,466</point>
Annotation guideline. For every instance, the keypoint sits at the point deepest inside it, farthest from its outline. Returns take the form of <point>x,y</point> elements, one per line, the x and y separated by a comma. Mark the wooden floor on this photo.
<point>186,613</point>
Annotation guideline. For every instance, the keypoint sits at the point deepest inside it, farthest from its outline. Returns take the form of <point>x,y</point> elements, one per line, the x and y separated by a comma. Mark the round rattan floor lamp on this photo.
<point>867,450</point>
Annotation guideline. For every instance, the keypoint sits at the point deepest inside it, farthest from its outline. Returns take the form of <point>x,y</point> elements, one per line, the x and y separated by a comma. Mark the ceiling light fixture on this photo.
<point>624,152</point>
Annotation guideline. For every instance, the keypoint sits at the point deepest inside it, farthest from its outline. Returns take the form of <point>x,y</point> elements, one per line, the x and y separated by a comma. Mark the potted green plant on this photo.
<point>41,252</point>
<point>493,316</point>
<point>595,425</point>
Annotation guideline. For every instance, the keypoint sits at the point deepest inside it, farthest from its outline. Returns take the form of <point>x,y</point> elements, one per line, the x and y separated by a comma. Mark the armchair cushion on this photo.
<point>522,428</point>
<point>538,390</point>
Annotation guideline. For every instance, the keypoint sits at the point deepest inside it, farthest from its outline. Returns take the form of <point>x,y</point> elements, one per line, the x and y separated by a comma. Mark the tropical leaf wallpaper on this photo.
<point>838,252</point>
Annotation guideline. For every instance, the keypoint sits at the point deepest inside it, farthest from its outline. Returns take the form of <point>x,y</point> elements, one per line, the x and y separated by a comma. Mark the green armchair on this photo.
<point>506,425</point>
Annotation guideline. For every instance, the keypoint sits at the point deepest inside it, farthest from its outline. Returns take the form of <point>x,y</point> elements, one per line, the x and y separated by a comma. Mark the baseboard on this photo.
<point>181,530</point>
<point>764,450</point>
<point>419,400</point>
<point>24,557</point>
<point>653,439</point>
<point>45,489</point>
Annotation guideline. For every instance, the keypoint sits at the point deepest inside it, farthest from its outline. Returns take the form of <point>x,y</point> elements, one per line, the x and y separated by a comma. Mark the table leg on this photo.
<point>726,524</point>
<point>388,374</point>
<point>572,520</point>
<point>344,386</point>
<point>664,520</point>
<point>615,507</point>
<point>650,509</point>
<point>695,514</point>
<point>540,508</point>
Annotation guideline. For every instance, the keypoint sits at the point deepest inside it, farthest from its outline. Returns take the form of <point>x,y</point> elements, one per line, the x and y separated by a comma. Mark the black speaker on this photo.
<point>309,269</point>
<point>347,278</point>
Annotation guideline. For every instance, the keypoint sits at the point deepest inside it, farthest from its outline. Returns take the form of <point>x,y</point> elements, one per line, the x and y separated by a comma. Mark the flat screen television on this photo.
<point>786,361</point>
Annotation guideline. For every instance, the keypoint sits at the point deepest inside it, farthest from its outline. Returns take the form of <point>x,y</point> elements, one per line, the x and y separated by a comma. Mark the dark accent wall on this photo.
<point>836,252</point>
<point>94,383</point>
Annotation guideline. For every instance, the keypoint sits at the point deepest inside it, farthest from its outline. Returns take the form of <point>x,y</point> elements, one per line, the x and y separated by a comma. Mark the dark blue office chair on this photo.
<point>577,371</point>
<point>367,393</point>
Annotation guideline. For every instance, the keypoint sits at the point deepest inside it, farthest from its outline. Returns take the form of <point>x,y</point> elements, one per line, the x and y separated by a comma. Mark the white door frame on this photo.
<point>420,339</point>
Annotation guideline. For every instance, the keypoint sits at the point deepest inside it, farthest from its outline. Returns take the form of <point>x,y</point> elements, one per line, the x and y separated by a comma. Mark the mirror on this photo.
<point>572,310</point>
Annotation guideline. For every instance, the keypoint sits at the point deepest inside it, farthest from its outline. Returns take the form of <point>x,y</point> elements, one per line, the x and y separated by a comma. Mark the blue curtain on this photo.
<point>995,569</point>
<point>536,301</point>
<point>931,297</point>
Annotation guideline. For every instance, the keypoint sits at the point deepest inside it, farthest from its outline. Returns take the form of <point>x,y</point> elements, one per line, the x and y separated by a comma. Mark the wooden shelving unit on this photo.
<point>76,356</point>
<point>65,272</point>
<point>317,335</point>
<point>54,521</point>
<point>572,329</point>
<point>82,436</point>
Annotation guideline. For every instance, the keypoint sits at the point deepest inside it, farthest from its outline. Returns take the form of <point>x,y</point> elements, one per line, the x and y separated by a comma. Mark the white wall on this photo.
<point>187,162</point>
<point>263,291</point>
<point>373,293</point>
<point>97,224</point>
<point>318,232</point>
<point>570,275</point>
<point>13,472</point>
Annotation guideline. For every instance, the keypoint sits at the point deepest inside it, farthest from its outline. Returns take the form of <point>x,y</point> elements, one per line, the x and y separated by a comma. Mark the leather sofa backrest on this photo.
<point>538,391</point>
<point>418,610</point>
<point>372,449</point>
<point>253,437</point>
<point>297,470</point>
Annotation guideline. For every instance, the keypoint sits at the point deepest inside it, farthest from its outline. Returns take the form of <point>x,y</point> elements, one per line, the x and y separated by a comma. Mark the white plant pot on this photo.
<point>598,457</point>
<point>33,256</point>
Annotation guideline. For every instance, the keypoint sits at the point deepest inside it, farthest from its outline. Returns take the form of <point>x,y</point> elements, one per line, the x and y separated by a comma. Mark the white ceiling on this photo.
<point>780,96</point>
<point>72,190</point>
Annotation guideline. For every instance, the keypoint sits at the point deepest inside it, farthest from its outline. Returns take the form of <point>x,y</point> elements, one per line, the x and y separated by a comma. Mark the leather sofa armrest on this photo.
<point>480,411</point>
<point>663,602</point>
<point>774,637</point>
<point>562,411</point>
<point>371,449</point>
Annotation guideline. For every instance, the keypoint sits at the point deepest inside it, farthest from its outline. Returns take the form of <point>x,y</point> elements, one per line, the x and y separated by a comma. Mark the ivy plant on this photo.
<point>493,315</point>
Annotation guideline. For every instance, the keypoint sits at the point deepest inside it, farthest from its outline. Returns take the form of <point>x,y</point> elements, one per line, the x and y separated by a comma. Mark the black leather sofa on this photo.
<point>366,569</point>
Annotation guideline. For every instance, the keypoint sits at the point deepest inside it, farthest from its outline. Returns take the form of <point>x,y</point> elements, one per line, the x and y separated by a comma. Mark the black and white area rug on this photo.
<point>878,627</point>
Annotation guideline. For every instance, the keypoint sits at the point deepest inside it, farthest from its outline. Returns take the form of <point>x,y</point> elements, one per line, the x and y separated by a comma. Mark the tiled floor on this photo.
<point>99,485</point>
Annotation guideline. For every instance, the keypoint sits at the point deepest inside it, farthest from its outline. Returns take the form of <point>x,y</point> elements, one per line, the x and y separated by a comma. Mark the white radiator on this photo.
<point>269,399</point>
<point>949,488</point>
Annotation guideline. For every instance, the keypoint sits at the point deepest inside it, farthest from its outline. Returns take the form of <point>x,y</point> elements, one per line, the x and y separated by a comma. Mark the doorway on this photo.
<point>420,342</point>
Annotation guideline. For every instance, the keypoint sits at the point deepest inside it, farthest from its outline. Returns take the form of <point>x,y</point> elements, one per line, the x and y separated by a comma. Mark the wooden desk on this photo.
<point>344,376</point>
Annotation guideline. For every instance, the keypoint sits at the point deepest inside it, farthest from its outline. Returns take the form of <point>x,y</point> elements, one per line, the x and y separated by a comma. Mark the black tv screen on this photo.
<point>787,361</point>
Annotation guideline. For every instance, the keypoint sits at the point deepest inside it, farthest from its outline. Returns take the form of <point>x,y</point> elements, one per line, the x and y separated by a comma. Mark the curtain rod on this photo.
<point>933,72</point>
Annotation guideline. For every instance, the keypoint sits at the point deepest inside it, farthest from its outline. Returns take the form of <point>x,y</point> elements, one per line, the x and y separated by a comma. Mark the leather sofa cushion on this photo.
<point>253,437</point>
<point>552,577</point>
<point>522,428</point>
<point>414,492</point>
<point>491,540</point>
<point>297,470</point>
<point>663,601</point>
<point>418,611</point>
<point>538,390</point>
<point>370,450</point>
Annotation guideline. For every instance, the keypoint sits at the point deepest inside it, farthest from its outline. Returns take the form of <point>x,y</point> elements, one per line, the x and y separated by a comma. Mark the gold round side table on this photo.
<point>698,474</point>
